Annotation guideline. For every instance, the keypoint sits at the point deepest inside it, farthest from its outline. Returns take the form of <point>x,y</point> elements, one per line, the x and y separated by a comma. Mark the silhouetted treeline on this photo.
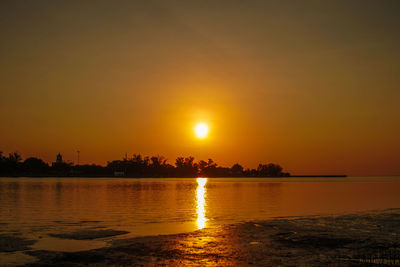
<point>136,166</point>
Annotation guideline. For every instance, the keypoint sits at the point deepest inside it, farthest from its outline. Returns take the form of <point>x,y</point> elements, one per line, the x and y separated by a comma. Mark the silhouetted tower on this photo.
<point>79,152</point>
<point>59,158</point>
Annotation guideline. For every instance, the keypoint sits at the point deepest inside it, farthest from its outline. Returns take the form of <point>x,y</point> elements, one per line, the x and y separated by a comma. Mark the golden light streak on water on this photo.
<point>201,202</point>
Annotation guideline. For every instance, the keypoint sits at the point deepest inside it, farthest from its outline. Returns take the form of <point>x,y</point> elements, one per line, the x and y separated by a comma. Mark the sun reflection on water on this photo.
<point>201,202</point>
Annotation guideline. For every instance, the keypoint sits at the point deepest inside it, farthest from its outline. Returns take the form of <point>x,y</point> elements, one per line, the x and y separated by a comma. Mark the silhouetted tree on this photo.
<point>159,167</point>
<point>14,157</point>
<point>202,166</point>
<point>185,167</point>
<point>269,170</point>
<point>208,169</point>
<point>11,165</point>
<point>237,170</point>
<point>2,163</point>
<point>35,166</point>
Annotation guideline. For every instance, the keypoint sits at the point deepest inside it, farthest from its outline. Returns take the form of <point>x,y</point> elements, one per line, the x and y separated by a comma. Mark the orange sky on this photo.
<point>313,86</point>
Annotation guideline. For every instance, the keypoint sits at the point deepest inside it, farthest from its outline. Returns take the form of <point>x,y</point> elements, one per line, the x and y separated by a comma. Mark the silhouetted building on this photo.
<point>59,158</point>
<point>58,162</point>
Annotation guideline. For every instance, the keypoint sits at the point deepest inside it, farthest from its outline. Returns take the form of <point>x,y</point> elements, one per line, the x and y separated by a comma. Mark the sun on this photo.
<point>201,130</point>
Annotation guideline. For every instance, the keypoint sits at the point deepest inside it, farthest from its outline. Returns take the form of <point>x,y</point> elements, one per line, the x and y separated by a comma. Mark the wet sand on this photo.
<point>370,238</point>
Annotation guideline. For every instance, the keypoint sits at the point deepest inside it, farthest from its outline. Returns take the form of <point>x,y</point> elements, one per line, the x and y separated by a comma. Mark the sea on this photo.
<point>38,208</point>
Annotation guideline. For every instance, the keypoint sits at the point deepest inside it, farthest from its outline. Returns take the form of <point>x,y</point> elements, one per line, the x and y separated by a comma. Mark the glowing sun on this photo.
<point>201,130</point>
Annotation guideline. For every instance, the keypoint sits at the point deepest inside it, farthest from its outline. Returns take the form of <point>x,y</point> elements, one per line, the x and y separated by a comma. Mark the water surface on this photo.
<point>38,207</point>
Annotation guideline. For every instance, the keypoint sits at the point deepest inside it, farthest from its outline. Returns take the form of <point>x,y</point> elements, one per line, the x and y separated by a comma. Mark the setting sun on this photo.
<point>201,130</point>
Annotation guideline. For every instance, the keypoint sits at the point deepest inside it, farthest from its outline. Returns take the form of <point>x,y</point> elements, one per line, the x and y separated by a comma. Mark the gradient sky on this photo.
<point>311,85</point>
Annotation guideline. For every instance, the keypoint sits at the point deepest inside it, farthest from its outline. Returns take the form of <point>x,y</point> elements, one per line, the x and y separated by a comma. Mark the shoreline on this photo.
<point>371,237</point>
<point>157,177</point>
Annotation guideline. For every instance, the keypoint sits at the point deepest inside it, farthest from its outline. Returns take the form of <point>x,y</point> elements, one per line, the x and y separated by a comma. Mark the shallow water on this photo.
<point>38,207</point>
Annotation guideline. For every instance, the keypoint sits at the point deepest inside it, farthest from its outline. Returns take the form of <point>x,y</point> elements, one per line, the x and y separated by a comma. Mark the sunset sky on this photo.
<point>311,85</point>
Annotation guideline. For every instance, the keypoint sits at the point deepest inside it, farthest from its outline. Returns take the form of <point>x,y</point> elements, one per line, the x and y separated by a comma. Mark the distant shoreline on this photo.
<point>135,166</point>
<point>139,166</point>
<point>316,176</point>
<point>240,177</point>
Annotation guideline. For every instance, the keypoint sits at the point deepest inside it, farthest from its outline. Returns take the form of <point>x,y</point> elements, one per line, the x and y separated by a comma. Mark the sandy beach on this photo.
<point>368,238</point>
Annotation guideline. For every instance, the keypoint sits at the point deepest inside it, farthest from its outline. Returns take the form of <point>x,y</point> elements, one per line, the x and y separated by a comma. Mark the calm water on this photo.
<point>40,206</point>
